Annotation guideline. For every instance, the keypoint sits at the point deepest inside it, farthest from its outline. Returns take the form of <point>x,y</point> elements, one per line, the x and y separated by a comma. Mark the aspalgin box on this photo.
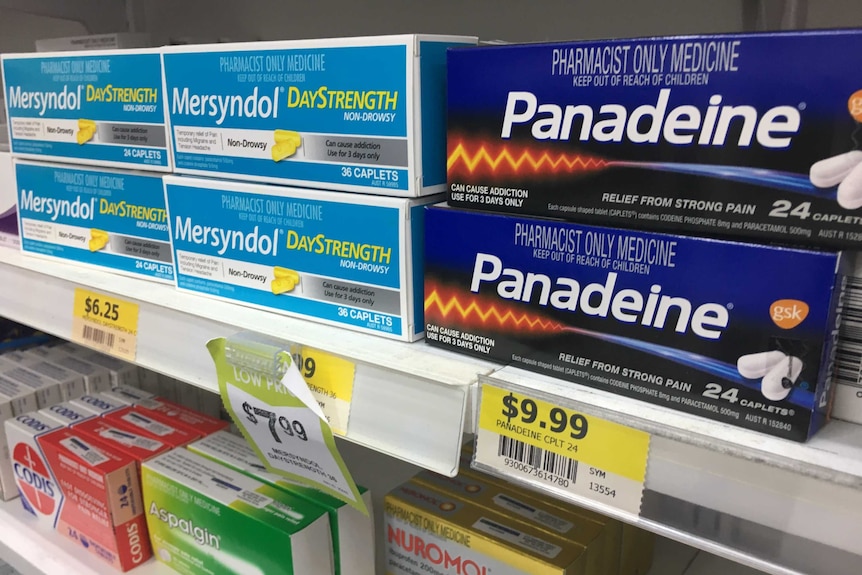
<point>351,114</point>
<point>741,333</point>
<point>737,135</point>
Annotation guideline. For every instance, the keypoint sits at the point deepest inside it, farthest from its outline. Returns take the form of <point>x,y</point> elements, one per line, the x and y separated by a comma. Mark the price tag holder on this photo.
<point>330,379</point>
<point>560,449</point>
<point>105,322</point>
<point>284,424</point>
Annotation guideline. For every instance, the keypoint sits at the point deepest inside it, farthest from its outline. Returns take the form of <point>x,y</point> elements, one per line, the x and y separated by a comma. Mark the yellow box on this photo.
<point>603,545</point>
<point>432,531</point>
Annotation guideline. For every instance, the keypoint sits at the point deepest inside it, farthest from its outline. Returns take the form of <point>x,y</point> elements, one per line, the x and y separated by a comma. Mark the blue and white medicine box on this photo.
<point>108,218</point>
<point>349,260</point>
<point>352,114</point>
<point>102,108</point>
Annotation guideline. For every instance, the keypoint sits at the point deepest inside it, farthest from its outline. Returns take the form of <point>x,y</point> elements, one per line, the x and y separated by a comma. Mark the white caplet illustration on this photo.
<point>756,365</point>
<point>844,171</point>
<point>780,380</point>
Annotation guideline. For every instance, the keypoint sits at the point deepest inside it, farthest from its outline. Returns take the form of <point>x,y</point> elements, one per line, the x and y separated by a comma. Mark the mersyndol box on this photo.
<point>432,531</point>
<point>205,517</point>
<point>98,404</point>
<point>741,333</point>
<point>100,217</point>
<point>181,416</point>
<point>122,373</point>
<point>604,550</point>
<point>153,425</point>
<point>352,531</point>
<point>101,490</point>
<point>352,114</point>
<point>102,108</point>
<point>344,259</point>
<point>25,471</point>
<point>66,413</point>
<point>684,133</point>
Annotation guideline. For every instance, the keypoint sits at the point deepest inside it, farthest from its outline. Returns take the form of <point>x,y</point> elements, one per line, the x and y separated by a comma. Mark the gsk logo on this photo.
<point>788,313</point>
<point>854,105</point>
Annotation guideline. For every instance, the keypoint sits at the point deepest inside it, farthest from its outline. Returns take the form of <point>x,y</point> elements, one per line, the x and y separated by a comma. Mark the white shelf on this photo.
<point>409,400</point>
<point>98,16</point>
<point>779,506</point>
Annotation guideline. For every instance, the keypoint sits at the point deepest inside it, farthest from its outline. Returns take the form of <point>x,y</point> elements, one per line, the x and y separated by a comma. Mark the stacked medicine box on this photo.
<point>88,139</point>
<point>271,126</point>
<point>706,292</point>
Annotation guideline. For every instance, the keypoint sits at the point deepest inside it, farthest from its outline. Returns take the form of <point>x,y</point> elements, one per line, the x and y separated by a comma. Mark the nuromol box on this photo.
<point>743,135</point>
<point>102,108</point>
<point>344,259</point>
<point>741,333</point>
<point>101,217</point>
<point>354,114</point>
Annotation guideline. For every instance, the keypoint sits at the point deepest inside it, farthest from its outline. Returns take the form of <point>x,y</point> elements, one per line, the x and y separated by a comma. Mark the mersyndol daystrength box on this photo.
<point>431,531</point>
<point>344,259</point>
<point>101,497</point>
<point>102,108</point>
<point>9,237</point>
<point>352,114</point>
<point>601,544</point>
<point>685,133</point>
<point>102,217</point>
<point>740,333</point>
<point>205,517</point>
<point>352,531</point>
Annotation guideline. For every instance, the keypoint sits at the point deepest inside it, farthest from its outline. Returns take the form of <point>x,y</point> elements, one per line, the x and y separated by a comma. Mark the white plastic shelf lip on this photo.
<point>397,385</point>
<point>834,455</point>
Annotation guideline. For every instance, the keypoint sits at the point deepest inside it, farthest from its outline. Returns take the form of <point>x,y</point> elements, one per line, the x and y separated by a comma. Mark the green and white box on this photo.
<point>206,518</point>
<point>352,531</point>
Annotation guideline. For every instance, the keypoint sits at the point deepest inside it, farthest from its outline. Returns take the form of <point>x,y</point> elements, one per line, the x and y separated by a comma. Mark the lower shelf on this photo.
<point>33,551</point>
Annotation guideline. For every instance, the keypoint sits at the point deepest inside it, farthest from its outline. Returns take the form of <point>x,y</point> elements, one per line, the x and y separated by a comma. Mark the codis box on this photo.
<point>103,108</point>
<point>737,135</point>
<point>107,218</point>
<point>741,333</point>
<point>344,259</point>
<point>351,114</point>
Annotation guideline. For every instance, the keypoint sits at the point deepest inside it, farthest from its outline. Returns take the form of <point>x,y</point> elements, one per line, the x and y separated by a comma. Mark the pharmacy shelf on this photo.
<point>774,505</point>
<point>97,16</point>
<point>32,550</point>
<point>409,400</point>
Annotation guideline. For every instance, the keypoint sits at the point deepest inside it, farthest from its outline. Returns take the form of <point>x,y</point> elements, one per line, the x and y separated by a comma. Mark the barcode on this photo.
<point>547,461</point>
<point>848,356</point>
<point>99,336</point>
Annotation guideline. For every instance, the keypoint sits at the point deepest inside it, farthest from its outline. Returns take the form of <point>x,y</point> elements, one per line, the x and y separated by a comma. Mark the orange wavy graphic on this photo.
<point>526,160</point>
<point>497,316</point>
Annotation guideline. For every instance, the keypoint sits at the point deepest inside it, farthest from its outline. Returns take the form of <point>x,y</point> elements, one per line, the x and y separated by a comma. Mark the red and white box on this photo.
<point>102,508</point>
<point>122,439</point>
<point>66,413</point>
<point>97,404</point>
<point>28,473</point>
<point>180,416</point>
<point>153,425</point>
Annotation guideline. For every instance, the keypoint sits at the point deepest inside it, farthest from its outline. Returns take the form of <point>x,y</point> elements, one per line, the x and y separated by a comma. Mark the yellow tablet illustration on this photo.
<point>285,280</point>
<point>86,131</point>
<point>98,240</point>
<point>286,143</point>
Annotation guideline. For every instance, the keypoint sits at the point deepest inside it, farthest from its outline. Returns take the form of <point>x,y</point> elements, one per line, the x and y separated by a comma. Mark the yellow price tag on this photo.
<point>330,379</point>
<point>106,323</point>
<point>562,448</point>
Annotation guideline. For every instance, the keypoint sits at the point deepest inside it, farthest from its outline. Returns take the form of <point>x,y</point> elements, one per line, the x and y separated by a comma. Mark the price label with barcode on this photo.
<point>106,323</point>
<point>561,449</point>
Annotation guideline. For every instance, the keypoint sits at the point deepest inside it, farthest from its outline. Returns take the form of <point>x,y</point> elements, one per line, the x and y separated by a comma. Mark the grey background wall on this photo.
<point>513,20</point>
